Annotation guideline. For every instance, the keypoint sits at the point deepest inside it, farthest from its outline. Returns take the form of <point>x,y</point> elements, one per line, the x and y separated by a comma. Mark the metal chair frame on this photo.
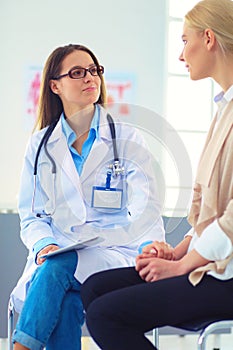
<point>204,332</point>
<point>10,324</point>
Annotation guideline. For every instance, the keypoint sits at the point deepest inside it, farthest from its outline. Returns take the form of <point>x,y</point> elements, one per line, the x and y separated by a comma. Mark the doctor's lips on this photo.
<point>90,88</point>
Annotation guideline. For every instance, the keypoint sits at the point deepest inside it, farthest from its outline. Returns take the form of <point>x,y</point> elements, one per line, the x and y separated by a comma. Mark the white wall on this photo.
<point>126,35</point>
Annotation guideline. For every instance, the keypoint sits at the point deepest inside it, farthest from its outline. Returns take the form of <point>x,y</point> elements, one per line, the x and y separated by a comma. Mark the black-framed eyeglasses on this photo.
<point>79,72</point>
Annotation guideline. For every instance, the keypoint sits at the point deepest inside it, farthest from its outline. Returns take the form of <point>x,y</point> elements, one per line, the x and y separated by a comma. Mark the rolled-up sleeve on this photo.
<point>214,244</point>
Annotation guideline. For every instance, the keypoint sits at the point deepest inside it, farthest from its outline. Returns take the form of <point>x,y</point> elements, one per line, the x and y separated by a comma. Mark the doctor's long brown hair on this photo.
<point>50,106</point>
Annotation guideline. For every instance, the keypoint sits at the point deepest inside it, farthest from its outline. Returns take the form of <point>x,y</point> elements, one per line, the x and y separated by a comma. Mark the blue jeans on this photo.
<point>52,314</point>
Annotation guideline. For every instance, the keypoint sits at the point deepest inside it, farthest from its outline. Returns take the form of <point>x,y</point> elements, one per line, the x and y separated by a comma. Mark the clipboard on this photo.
<point>80,244</point>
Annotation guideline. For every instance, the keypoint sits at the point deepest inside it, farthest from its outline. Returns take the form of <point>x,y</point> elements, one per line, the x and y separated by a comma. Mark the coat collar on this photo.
<point>104,131</point>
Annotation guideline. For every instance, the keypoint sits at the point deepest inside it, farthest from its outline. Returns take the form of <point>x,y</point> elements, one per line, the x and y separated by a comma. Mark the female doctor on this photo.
<point>84,176</point>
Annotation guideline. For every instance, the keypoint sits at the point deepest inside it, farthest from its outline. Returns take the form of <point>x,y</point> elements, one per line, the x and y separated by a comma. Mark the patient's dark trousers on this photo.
<point>121,307</point>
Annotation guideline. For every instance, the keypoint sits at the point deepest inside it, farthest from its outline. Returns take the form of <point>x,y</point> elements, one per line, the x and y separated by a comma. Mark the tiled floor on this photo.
<point>170,342</point>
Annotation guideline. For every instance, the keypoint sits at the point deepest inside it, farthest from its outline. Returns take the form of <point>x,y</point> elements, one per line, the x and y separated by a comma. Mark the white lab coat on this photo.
<point>73,218</point>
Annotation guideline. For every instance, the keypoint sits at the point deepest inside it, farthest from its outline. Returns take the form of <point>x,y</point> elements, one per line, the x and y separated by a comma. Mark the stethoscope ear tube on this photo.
<point>113,134</point>
<point>44,141</point>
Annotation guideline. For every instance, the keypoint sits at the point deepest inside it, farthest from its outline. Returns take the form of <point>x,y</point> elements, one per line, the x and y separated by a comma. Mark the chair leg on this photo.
<point>217,342</point>
<point>210,329</point>
<point>156,338</point>
<point>201,344</point>
<point>10,324</point>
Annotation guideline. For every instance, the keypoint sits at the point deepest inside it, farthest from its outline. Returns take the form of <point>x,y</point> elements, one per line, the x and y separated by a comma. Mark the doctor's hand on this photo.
<point>157,249</point>
<point>45,250</point>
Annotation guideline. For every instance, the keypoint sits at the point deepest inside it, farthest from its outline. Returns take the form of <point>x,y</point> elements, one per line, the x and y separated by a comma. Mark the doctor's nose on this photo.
<point>88,77</point>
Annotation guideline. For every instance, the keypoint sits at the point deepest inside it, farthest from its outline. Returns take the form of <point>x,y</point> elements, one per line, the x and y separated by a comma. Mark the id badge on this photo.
<point>106,198</point>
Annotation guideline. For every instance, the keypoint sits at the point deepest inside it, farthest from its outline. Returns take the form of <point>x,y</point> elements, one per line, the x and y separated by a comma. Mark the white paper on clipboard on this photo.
<point>81,244</point>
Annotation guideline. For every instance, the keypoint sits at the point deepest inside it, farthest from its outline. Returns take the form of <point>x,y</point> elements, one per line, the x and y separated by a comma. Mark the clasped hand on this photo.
<point>156,261</point>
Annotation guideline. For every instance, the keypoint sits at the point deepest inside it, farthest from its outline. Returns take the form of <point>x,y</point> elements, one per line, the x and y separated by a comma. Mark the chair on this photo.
<point>10,324</point>
<point>204,329</point>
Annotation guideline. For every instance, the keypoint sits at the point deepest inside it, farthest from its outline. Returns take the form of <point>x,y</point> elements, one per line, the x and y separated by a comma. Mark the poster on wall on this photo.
<point>121,91</point>
<point>32,91</point>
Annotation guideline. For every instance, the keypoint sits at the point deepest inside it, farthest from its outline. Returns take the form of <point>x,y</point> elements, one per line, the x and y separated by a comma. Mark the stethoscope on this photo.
<point>115,168</point>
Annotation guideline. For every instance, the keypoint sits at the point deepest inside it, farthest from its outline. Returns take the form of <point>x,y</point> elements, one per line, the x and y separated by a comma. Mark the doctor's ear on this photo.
<point>209,38</point>
<point>54,86</point>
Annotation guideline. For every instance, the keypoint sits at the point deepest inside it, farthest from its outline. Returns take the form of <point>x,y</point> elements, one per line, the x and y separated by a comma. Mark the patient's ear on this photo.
<point>210,38</point>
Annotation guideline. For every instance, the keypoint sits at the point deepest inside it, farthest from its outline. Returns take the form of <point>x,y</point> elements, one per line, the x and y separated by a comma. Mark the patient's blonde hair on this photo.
<point>216,15</point>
